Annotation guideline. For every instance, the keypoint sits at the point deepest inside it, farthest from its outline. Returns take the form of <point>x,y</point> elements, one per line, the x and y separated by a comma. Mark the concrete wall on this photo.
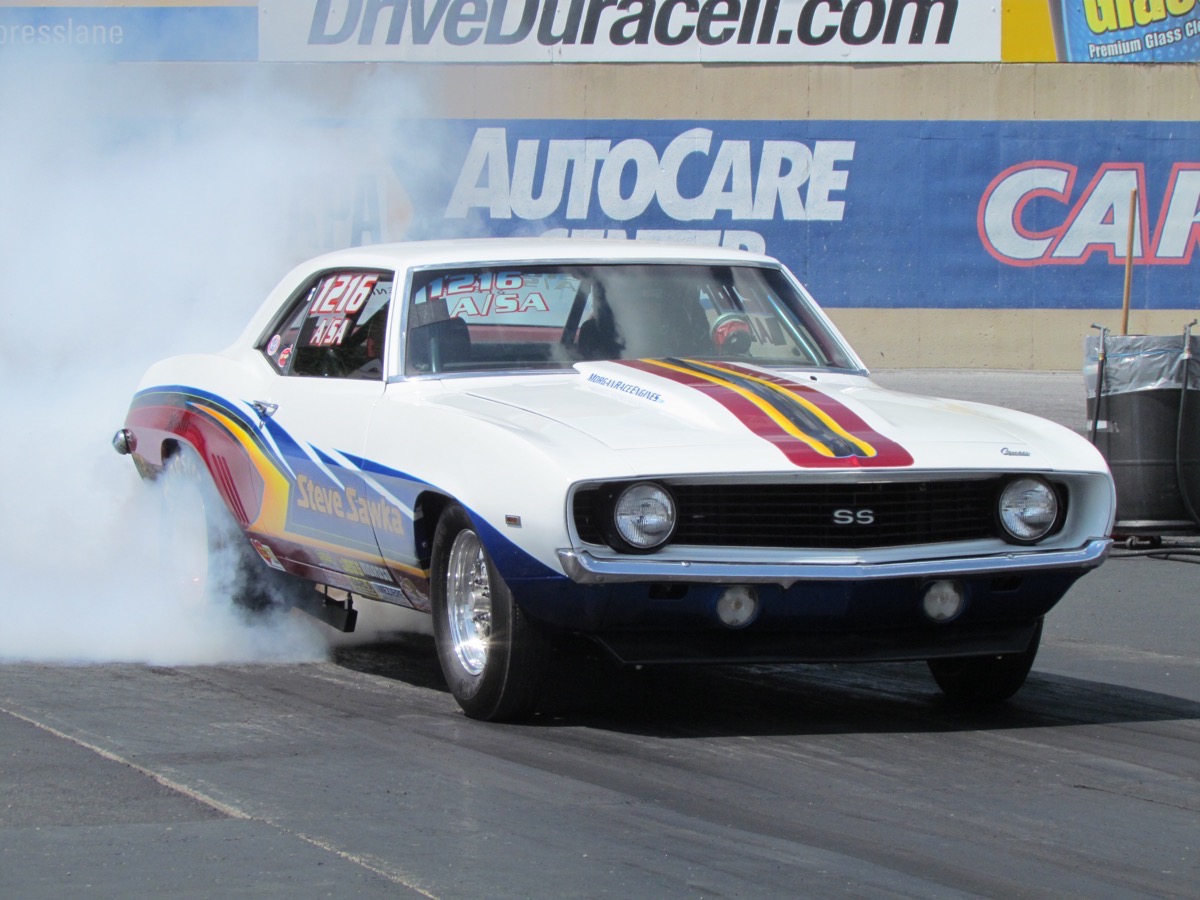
<point>966,91</point>
<point>930,91</point>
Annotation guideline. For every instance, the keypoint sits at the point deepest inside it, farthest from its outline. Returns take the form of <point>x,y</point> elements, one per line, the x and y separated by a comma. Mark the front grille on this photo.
<point>818,516</point>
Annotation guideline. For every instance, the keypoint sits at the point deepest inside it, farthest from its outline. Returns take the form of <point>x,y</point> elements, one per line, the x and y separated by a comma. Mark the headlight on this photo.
<point>1028,509</point>
<point>644,516</point>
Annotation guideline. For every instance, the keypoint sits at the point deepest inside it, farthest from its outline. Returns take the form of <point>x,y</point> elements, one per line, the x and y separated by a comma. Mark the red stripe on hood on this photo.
<point>887,452</point>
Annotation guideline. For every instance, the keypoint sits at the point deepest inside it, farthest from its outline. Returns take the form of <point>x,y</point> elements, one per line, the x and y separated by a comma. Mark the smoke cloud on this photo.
<point>139,219</point>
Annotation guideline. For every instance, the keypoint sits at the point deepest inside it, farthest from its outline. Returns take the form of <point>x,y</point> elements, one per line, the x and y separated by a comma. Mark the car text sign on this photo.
<point>584,31</point>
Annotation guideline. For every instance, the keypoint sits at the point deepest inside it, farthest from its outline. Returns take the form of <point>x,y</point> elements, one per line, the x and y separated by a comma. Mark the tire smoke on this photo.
<point>143,218</point>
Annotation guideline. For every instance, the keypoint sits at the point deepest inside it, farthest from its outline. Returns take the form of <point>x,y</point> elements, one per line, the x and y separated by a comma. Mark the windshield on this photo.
<point>553,316</point>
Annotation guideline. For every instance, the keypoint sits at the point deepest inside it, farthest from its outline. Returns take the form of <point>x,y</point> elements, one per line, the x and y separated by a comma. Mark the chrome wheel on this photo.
<point>469,602</point>
<point>492,656</point>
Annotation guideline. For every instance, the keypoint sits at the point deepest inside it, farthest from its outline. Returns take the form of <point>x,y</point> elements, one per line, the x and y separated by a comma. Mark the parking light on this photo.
<point>943,600</point>
<point>737,606</point>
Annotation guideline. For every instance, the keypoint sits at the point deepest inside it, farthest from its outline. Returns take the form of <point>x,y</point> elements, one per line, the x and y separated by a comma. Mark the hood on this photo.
<point>691,415</point>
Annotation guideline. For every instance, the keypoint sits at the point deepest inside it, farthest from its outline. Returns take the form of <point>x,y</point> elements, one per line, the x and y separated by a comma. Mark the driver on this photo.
<point>370,349</point>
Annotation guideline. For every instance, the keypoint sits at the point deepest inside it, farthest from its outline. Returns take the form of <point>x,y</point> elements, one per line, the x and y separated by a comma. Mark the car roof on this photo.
<point>532,249</point>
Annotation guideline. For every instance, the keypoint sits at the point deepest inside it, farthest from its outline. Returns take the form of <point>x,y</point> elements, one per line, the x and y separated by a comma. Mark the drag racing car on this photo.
<point>667,450</point>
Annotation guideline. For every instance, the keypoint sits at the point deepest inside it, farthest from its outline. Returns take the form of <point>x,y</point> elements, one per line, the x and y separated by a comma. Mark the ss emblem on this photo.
<point>853,516</point>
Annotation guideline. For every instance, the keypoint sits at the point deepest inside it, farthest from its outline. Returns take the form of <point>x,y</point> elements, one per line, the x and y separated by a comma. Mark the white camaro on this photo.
<point>669,450</point>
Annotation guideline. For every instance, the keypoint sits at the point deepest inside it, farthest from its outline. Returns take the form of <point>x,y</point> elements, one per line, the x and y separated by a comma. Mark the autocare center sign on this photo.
<point>869,214</point>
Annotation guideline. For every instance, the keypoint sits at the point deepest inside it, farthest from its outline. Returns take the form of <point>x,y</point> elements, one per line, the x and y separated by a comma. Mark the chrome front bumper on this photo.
<point>584,568</point>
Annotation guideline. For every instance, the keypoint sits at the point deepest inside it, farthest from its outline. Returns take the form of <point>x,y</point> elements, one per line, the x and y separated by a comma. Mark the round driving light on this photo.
<point>644,516</point>
<point>1028,509</point>
<point>943,600</point>
<point>737,606</point>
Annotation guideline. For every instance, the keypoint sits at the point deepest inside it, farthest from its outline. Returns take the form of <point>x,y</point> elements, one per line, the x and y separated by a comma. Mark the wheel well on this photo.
<point>426,512</point>
<point>169,448</point>
<point>172,447</point>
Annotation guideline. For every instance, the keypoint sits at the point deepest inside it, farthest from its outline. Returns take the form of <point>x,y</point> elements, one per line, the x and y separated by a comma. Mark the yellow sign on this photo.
<point>1153,31</point>
<point>1026,33</point>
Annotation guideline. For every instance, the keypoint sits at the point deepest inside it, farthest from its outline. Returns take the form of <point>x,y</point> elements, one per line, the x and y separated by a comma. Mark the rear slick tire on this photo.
<point>492,657</point>
<point>980,681</point>
<point>208,555</point>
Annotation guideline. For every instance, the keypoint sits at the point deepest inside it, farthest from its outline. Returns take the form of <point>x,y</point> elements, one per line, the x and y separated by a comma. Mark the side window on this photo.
<point>335,329</point>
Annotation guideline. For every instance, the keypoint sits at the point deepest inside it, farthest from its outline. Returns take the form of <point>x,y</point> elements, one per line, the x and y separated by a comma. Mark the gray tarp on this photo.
<point>1140,362</point>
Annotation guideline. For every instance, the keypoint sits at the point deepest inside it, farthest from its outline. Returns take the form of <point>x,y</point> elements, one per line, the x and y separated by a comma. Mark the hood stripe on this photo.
<point>799,417</point>
<point>808,426</point>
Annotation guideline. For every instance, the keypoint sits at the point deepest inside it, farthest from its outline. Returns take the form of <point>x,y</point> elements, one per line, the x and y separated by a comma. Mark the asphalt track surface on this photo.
<point>359,777</point>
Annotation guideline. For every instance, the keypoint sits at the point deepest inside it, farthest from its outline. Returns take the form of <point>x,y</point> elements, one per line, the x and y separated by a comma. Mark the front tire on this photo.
<point>492,657</point>
<point>985,680</point>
